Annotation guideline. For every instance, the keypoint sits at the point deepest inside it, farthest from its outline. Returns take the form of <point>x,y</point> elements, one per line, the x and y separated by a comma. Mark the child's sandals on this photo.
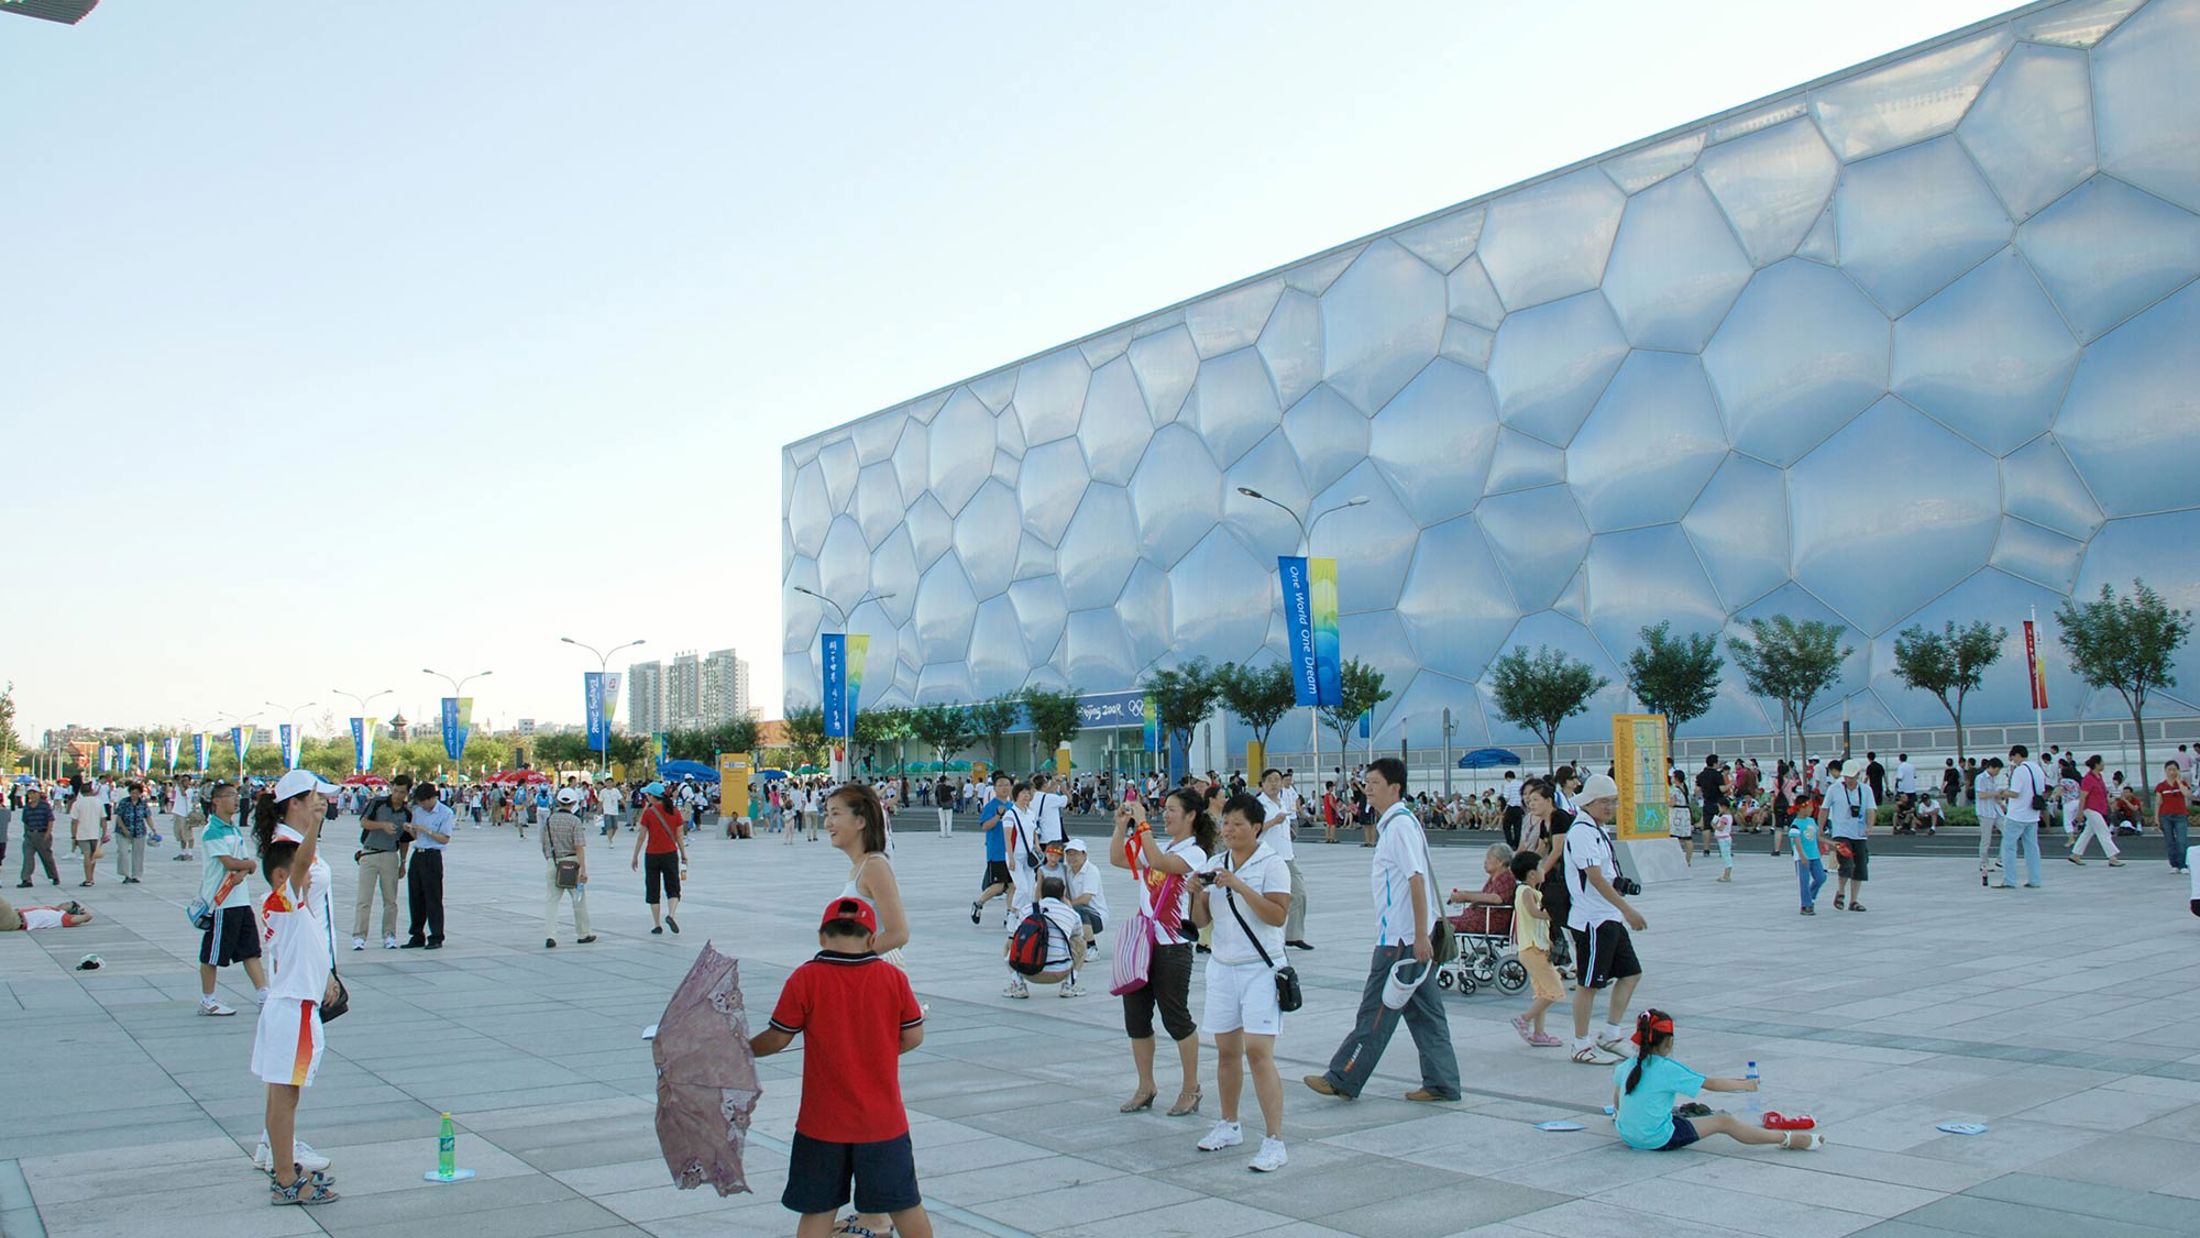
<point>307,1190</point>
<point>1803,1141</point>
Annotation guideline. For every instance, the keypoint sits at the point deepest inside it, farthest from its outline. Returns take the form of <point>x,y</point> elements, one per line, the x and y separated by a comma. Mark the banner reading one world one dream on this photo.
<point>595,703</point>
<point>362,745</point>
<point>458,725</point>
<point>202,745</point>
<point>240,738</point>
<point>287,736</point>
<point>170,749</point>
<point>833,683</point>
<point>1298,622</point>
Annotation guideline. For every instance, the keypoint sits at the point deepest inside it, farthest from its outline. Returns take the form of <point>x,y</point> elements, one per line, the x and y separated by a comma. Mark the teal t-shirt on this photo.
<point>1805,830</point>
<point>1645,1118</point>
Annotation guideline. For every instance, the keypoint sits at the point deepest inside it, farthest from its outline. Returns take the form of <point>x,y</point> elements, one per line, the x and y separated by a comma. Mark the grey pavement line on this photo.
<point>961,1216</point>
<point>19,1217</point>
<point>2021,1054</point>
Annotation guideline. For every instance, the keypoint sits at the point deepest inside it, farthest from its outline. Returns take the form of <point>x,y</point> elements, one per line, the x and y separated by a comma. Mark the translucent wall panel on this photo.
<point>1372,543</point>
<point>2149,114</point>
<point>1232,405</point>
<point>1165,365</point>
<point>1329,435</point>
<point>1220,596</point>
<point>1273,470</point>
<point>2038,484</point>
<point>1099,547</point>
<point>2107,251</point>
<point>1801,353</point>
<point>986,538</point>
<point>1455,606</point>
<point>1041,610</point>
<point>1988,357</point>
<point>1231,319</point>
<point>1291,346</point>
<point>1381,322</point>
<point>1913,98</point>
<point>1551,362</point>
<point>1645,576</point>
<point>2133,407</point>
<point>1740,527</point>
<point>1676,267</point>
<point>1115,426</point>
<point>964,441</point>
<point>1540,537</point>
<point>1177,494</point>
<point>1445,241</point>
<point>1773,184</point>
<point>2032,129</point>
<point>1434,440</point>
<point>1913,220</point>
<point>1651,444</point>
<point>1048,487</point>
<point>1550,240</point>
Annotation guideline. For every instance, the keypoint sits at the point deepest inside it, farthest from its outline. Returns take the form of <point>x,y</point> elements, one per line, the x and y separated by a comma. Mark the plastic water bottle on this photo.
<point>446,1146</point>
<point>1756,1105</point>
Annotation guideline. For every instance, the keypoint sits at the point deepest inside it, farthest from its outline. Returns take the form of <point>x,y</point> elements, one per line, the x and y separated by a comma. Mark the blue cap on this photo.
<point>654,788</point>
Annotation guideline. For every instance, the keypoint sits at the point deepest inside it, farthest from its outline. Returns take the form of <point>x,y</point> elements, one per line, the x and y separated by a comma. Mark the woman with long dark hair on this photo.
<point>664,839</point>
<point>1162,920</point>
<point>855,821</point>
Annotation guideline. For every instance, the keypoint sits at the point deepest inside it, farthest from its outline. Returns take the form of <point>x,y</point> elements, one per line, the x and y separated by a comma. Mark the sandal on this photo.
<point>303,1191</point>
<point>1182,1109</point>
<point>1138,1101</point>
<point>1811,1141</point>
<point>847,1227</point>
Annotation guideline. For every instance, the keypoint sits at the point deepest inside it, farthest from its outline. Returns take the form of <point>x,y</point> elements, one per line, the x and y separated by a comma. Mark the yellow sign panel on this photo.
<point>1640,762</point>
<point>733,783</point>
<point>1256,760</point>
<point>1061,759</point>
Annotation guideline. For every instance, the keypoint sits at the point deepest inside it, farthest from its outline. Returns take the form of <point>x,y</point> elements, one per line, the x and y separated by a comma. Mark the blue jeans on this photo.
<point>1810,878</point>
<point>2025,836</point>
<point>1355,1059</point>
<point>2173,837</point>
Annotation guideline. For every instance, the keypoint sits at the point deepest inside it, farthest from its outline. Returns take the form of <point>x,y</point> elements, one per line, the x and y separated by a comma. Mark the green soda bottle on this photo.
<point>446,1149</point>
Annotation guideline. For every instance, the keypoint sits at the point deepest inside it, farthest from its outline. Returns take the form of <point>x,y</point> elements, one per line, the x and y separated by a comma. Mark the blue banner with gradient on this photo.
<point>599,718</point>
<point>240,739</point>
<point>171,748</point>
<point>859,653</point>
<point>362,745</point>
<point>458,720</point>
<point>1328,665</point>
<point>287,736</point>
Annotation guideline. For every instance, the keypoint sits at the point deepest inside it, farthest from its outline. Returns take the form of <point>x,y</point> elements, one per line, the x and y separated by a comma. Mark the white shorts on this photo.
<point>286,1047</point>
<point>1241,997</point>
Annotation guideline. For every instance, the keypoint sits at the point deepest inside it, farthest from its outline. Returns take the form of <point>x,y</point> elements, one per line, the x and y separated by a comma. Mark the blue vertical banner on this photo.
<point>1298,625</point>
<point>833,676</point>
<point>171,748</point>
<point>106,758</point>
<point>287,736</point>
<point>122,756</point>
<point>599,721</point>
<point>362,745</point>
<point>458,718</point>
<point>201,744</point>
<point>145,756</point>
<point>1367,716</point>
<point>859,652</point>
<point>240,738</point>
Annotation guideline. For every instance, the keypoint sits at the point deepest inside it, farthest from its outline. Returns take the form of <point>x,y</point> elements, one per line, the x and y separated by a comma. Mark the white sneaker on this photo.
<point>1613,1041</point>
<point>1589,1053</point>
<point>1270,1158</point>
<point>389,943</point>
<point>301,1153</point>
<point>208,1006</point>
<point>358,943</point>
<point>1092,952</point>
<point>1224,1135</point>
<point>1069,988</point>
<point>1016,988</point>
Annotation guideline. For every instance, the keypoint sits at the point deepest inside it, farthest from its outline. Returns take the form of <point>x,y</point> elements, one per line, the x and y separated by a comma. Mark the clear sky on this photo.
<point>347,339</point>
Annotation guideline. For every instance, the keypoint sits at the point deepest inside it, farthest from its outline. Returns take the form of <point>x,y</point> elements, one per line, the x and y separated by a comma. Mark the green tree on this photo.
<point>1790,662</point>
<point>944,730</point>
<point>875,728</point>
<point>1054,720</point>
<point>1948,663</point>
<point>1674,676</point>
<point>1541,690</point>
<point>1183,696</point>
<point>563,750</point>
<point>805,730</point>
<point>738,735</point>
<point>2129,644</point>
<point>993,717</point>
<point>1259,696</point>
<point>1363,690</point>
<point>10,742</point>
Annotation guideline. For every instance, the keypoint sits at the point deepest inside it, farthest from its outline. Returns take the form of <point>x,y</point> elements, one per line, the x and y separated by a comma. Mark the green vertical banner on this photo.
<point>1321,578</point>
<point>859,651</point>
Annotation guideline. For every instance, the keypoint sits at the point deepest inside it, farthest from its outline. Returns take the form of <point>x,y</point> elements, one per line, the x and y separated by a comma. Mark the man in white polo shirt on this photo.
<point>1603,953</point>
<point>1047,803</point>
<point>1280,805</point>
<point>1406,907</point>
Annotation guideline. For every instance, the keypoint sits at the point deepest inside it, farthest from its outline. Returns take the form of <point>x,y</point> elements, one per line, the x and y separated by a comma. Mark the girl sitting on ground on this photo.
<point>1644,1090</point>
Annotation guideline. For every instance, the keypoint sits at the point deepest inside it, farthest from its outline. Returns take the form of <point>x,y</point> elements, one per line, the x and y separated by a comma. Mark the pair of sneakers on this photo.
<point>1606,1048</point>
<point>301,1154</point>
<point>360,943</point>
<point>1269,1159</point>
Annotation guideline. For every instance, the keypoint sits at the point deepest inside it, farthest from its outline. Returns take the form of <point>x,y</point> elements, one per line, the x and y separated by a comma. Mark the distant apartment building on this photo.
<point>725,687</point>
<point>526,728</point>
<point>684,692</point>
<point>645,698</point>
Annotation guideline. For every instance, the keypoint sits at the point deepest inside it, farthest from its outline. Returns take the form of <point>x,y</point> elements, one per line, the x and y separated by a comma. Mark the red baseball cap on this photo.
<point>856,909</point>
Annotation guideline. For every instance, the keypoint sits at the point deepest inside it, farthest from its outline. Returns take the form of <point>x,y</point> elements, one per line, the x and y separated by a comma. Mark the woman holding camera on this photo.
<point>1163,879</point>
<point>1246,896</point>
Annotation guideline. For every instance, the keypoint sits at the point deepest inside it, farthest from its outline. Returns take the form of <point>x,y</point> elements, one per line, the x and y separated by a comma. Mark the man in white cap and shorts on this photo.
<point>1597,921</point>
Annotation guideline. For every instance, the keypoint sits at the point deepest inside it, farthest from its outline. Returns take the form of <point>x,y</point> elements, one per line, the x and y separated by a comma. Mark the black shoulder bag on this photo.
<point>1288,996</point>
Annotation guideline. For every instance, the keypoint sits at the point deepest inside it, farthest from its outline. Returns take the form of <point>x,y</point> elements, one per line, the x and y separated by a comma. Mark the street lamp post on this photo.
<point>293,711</point>
<point>458,689</point>
<point>868,597</point>
<point>366,721</point>
<point>603,662</point>
<point>1306,548</point>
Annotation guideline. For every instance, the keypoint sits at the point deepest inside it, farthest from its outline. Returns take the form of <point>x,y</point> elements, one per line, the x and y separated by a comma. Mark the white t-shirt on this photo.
<point>1512,792</point>
<point>1087,881</point>
<point>1187,850</point>
<point>1722,826</point>
<point>1063,918</point>
<point>1277,837</point>
<point>2026,779</point>
<point>1905,778</point>
<point>1587,848</point>
<point>1989,807</point>
<point>1401,850</point>
<point>295,938</point>
<point>1848,810</point>
<point>1264,871</point>
<point>1046,808</point>
<point>609,798</point>
<point>35,918</point>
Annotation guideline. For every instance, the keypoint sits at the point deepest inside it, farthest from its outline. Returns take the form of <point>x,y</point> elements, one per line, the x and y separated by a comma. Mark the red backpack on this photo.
<point>1027,946</point>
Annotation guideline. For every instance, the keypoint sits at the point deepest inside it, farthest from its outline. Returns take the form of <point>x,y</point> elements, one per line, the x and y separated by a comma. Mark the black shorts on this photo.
<point>1092,920</point>
<point>660,869</point>
<point>1603,954</point>
<point>1857,865</point>
<point>819,1173</point>
<point>1169,987</point>
<point>232,938</point>
<point>996,874</point>
<point>1684,1133</point>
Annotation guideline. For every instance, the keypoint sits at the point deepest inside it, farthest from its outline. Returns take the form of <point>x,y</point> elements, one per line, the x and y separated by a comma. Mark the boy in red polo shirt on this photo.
<point>857,1015</point>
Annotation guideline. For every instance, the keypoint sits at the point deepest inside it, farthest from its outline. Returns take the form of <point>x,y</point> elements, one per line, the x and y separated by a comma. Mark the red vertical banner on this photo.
<point>2032,666</point>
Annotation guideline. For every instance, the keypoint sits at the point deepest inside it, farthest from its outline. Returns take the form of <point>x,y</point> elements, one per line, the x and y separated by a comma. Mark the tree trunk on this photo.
<point>1955,711</point>
<point>2146,780</point>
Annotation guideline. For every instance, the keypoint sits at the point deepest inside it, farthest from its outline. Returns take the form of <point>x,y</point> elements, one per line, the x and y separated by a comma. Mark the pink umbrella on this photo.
<point>706,1076</point>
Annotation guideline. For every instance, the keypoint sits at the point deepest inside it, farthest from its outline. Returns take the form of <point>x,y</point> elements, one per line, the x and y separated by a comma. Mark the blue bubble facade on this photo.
<point>1917,342</point>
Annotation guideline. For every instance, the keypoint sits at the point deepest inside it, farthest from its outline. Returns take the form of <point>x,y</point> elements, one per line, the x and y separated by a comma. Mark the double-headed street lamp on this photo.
<point>603,667</point>
<point>1306,547</point>
<point>458,689</point>
<point>293,711</point>
<point>873,596</point>
<point>361,741</point>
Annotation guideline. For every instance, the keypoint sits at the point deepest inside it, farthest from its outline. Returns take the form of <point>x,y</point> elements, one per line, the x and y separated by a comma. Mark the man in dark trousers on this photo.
<point>381,860</point>
<point>430,830</point>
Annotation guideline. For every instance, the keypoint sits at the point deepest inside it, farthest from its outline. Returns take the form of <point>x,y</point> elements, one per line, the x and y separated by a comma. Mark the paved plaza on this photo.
<point>2062,1018</point>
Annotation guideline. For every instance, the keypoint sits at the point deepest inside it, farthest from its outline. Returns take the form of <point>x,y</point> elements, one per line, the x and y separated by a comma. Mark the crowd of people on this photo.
<point>1215,891</point>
